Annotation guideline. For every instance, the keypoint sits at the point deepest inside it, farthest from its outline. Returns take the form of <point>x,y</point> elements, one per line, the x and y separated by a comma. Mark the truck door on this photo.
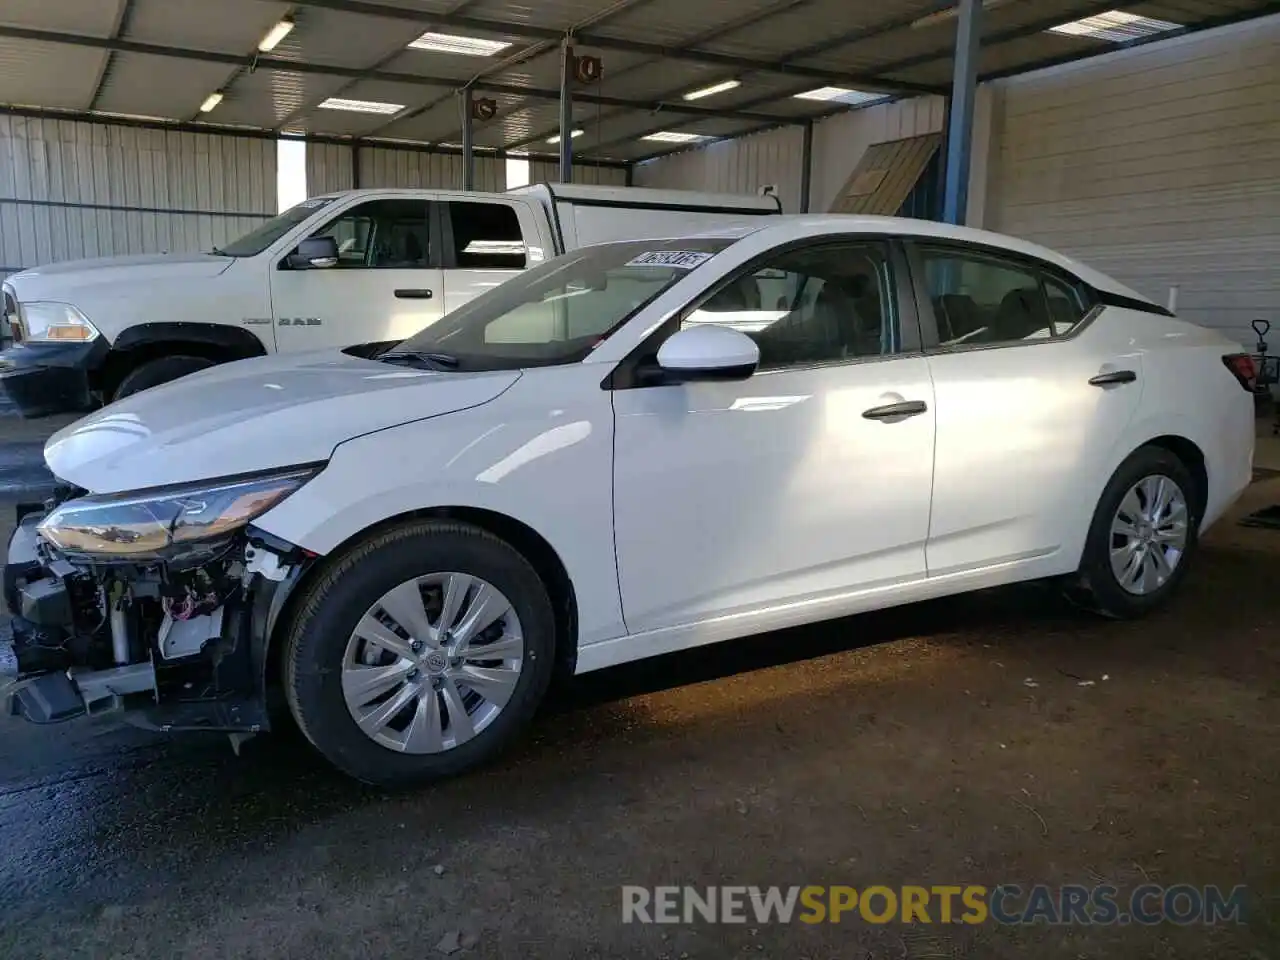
<point>386,284</point>
<point>484,243</point>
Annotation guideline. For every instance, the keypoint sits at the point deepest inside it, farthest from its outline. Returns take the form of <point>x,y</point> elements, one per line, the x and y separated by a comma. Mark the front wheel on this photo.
<point>420,654</point>
<point>158,371</point>
<point>1143,535</point>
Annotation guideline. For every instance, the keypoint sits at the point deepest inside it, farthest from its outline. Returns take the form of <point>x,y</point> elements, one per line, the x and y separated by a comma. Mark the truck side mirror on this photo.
<point>315,253</point>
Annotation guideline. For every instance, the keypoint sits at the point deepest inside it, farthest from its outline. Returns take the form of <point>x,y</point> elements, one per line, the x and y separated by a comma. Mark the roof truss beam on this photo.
<point>587,39</point>
<point>123,15</point>
<point>851,36</point>
<point>353,73</point>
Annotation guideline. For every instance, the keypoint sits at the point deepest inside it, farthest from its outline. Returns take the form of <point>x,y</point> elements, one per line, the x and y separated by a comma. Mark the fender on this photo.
<point>513,456</point>
<point>1139,432</point>
<point>1159,424</point>
<point>240,343</point>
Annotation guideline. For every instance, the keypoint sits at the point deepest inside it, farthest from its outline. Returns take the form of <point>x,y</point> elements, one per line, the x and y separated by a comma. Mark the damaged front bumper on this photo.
<point>163,647</point>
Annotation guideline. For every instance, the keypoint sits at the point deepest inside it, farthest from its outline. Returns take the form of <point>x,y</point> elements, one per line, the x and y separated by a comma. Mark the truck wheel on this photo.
<point>421,653</point>
<point>155,372</point>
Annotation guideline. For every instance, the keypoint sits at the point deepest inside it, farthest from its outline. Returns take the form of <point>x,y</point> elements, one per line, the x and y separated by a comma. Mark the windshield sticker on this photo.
<point>317,202</point>
<point>680,259</point>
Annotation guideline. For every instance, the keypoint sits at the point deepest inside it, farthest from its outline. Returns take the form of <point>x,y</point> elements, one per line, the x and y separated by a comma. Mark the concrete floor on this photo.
<point>950,742</point>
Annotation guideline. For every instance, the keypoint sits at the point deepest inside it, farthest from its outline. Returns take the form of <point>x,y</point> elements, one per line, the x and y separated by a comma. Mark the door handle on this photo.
<point>1114,377</point>
<point>413,294</point>
<point>894,411</point>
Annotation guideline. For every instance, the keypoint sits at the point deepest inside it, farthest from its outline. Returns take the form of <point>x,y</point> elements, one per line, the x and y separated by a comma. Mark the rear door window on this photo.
<point>1067,307</point>
<point>486,236</point>
<point>981,299</point>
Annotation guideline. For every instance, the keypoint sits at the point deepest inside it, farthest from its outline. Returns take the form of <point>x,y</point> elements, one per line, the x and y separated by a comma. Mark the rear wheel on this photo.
<point>158,371</point>
<point>420,654</point>
<point>1143,535</point>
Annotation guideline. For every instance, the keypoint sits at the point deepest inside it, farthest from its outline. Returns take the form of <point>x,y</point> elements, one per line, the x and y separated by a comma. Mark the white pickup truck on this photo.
<point>341,269</point>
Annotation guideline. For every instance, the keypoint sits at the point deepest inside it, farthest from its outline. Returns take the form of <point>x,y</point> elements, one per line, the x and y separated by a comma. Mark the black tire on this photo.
<point>155,372</point>
<point>1095,586</point>
<point>316,641</point>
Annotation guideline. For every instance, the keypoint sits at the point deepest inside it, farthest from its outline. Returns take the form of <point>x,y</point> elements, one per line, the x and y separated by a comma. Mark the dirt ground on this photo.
<point>953,742</point>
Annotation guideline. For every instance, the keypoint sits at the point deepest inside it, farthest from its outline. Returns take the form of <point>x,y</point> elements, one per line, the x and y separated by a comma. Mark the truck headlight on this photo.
<point>48,322</point>
<point>174,524</point>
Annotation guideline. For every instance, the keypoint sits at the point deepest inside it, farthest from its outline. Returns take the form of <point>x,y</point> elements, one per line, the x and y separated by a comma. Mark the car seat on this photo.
<point>741,295</point>
<point>847,313</point>
<point>1022,313</point>
<point>957,315</point>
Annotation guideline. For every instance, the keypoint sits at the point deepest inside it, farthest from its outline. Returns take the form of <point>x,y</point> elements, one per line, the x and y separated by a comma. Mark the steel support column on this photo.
<point>468,141</point>
<point>964,89</point>
<point>806,166</point>
<point>566,112</point>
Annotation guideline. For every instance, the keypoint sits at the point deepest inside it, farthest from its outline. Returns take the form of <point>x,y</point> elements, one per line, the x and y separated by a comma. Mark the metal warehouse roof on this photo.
<point>152,60</point>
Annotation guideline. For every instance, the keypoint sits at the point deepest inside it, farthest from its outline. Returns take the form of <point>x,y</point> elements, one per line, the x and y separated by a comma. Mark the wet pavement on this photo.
<point>22,469</point>
<point>995,738</point>
<point>23,474</point>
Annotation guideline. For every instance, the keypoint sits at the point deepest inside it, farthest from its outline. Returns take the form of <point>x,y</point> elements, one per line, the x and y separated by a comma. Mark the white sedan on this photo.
<point>630,450</point>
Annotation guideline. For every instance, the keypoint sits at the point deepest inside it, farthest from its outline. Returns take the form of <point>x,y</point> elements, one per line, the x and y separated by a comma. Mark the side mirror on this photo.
<point>708,352</point>
<point>315,253</point>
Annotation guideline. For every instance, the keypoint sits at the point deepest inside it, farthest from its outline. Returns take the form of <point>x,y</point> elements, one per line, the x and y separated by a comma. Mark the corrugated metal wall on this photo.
<point>382,167</point>
<point>70,190</point>
<point>840,141</point>
<point>548,171</point>
<point>735,166</point>
<point>329,168</point>
<point>1160,165</point>
<point>748,163</point>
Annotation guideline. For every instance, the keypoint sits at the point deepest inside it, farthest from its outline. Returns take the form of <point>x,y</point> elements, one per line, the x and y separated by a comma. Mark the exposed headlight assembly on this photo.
<point>179,524</point>
<point>45,321</point>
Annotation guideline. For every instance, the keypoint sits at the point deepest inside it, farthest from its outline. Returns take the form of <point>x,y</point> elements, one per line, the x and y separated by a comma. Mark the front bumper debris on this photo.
<point>165,648</point>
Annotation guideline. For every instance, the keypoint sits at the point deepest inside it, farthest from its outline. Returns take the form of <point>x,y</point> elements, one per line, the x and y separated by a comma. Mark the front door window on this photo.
<point>381,234</point>
<point>819,305</point>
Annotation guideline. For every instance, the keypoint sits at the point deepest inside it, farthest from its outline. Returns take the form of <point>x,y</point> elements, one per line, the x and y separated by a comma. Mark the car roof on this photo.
<point>780,229</point>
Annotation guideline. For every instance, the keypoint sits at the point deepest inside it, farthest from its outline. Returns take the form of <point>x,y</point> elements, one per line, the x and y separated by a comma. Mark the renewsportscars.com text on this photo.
<point>1008,904</point>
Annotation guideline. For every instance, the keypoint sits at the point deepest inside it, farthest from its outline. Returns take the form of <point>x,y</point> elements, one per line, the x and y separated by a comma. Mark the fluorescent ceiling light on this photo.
<point>211,101</point>
<point>672,136</point>
<point>572,136</point>
<point>840,95</point>
<point>1115,26</point>
<point>464,46</point>
<point>275,35</point>
<point>712,90</point>
<point>361,106</point>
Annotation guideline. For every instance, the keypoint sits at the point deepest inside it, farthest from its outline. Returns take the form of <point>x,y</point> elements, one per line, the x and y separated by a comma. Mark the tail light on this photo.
<point>1245,369</point>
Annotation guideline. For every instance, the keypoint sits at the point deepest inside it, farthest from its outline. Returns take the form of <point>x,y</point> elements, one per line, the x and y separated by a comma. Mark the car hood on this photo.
<point>254,415</point>
<point>58,279</point>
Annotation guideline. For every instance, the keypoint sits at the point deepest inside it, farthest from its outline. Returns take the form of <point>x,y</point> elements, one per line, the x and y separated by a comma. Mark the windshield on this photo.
<point>257,240</point>
<point>559,311</point>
